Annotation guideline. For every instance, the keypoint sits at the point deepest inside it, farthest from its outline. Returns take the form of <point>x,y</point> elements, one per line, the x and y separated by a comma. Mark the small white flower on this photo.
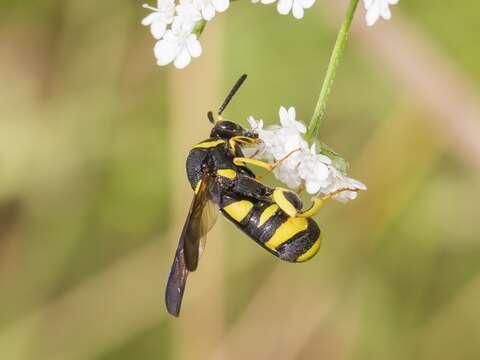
<point>314,170</point>
<point>161,16</point>
<point>281,141</point>
<point>378,8</point>
<point>288,119</point>
<point>178,45</point>
<point>296,6</point>
<point>336,181</point>
<point>187,14</point>
<point>209,8</point>
<point>254,124</point>
<point>287,172</point>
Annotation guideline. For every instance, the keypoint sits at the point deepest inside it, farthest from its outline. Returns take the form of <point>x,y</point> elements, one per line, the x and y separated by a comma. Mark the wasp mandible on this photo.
<point>218,174</point>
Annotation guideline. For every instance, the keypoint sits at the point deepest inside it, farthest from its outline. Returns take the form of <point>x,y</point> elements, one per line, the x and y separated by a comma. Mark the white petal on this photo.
<point>300,127</point>
<point>193,45</point>
<point>324,159</point>
<point>149,19</point>
<point>165,52</point>
<point>312,187</point>
<point>297,10</point>
<point>158,29</point>
<point>208,12</point>
<point>266,2</point>
<point>345,196</point>
<point>372,15</point>
<point>321,171</point>
<point>252,122</point>
<point>284,6</point>
<point>357,184</point>
<point>385,12</point>
<point>282,113</point>
<point>221,5</point>
<point>182,59</point>
<point>292,113</point>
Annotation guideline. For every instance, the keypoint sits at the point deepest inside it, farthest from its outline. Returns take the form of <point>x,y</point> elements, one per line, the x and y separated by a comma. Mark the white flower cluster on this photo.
<point>300,164</point>
<point>174,25</point>
<point>377,9</point>
<point>297,7</point>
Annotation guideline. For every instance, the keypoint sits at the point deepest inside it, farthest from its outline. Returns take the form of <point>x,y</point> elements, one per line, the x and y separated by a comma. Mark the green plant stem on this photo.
<point>199,26</point>
<point>319,112</point>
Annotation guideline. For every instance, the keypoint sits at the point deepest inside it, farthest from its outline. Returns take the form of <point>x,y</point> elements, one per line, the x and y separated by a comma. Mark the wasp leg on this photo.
<point>254,154</point>
<point>277,163</point>
<point>234,141</point>
<point>318,203</point>
<point>300,189</point>
<point>240,161</point>
<point>264,165</point>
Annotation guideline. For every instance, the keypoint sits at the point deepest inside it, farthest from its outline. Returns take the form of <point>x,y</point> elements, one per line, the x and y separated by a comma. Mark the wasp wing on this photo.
<point>200,219</point>
<point>176,282</point>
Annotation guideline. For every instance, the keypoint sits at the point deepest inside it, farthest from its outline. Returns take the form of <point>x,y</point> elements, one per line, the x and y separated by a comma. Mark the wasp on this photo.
<point>218,174</point>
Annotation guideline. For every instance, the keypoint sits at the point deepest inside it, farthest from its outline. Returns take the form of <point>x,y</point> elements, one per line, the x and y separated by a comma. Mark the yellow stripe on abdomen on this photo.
<point>307,255</point>
<point>267,214</point>
<point>286,231</point>
<point>239,209</point>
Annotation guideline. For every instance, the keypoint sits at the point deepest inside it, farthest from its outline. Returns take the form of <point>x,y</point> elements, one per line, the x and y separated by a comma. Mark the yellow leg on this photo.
<point>254,154</point>
<point>240,161</point>
<point>277,163</point>
<point>242,140</point>
<point>318,203</point>
<point>300,189</point>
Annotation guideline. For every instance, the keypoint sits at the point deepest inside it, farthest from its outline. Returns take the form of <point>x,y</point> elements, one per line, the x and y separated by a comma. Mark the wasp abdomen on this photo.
<point>293,239</point>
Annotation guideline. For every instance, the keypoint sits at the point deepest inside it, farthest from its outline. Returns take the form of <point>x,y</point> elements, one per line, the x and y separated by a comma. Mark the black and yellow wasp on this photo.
<point>273,218</point>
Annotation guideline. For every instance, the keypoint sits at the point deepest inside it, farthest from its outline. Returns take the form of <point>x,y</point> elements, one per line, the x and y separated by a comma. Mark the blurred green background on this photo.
<point>93,139</point>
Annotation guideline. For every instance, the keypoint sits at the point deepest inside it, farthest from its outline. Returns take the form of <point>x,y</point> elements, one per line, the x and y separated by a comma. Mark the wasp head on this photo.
<point>228,129</point>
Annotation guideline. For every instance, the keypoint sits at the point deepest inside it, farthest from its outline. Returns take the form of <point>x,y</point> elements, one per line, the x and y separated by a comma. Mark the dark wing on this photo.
<point>176,282</point>
<point>200,220</point>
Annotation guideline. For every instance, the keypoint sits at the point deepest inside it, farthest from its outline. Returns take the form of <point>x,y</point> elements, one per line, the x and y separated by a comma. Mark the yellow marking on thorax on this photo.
<point>307,255</point>
<point>283,202</point>
<point>267,214</point>
<point>228,173</point>
<point>239,209</point>
<point>286,231</point>
<point>197,187</point>
<point>209,144</point>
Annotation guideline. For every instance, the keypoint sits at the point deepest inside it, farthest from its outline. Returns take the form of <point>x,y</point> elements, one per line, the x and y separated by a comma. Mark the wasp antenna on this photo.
<point>210,117</point>
<point>232,93</point>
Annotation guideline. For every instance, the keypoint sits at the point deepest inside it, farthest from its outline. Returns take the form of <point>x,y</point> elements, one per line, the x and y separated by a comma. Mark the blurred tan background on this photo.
<point>93,139</point>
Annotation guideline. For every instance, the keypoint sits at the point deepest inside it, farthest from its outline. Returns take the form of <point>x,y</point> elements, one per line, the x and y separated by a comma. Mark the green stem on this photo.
<point>319,112</point>
<point>199,26</point>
